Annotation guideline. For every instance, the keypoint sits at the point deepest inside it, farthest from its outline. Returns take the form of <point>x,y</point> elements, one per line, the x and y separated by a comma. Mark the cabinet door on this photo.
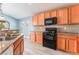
<point>41,19</point>
<point>47,15</point>
<point>34,20</point>
<point>17,51</point>
<point>62,16</point>
<point>74,14</point>
<point>73,46</point>
<point>22,47</point>
<point>53,14</point>
<point>32,36</point>
<point>61,43</point>
<point>39,37</point>
<point>67,45</point>
<point>58,43</point>
<point>17,42</point>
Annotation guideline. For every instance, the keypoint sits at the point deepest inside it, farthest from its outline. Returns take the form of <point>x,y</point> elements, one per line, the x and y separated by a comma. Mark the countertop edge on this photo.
<point>11,43</point>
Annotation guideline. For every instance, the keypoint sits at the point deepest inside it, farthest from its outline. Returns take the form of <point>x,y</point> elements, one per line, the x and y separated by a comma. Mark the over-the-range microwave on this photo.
<point>50,21</point>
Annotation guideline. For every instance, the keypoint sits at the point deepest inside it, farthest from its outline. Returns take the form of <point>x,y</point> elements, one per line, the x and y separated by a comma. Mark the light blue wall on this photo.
<point>28,27</point>
<point>14,23</point>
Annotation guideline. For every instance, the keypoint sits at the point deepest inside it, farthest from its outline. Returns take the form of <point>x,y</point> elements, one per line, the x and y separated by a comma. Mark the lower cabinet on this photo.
<point>22,47</point>
<point>68,43</point>
<point>61,43</point>
<point>39,38</point>
<point>18,46</point>
<point>32,36</point>
<point>17,50</point>
<point>73,46</point>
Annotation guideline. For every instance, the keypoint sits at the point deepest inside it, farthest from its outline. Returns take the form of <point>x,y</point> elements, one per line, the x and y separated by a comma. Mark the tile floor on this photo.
<point>31,48</point>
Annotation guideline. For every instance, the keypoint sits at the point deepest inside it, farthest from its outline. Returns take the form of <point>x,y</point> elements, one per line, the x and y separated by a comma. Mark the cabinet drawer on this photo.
<point>74,37</point>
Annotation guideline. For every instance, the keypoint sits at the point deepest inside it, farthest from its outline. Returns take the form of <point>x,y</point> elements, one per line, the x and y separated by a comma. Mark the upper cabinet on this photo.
<point>62,16</point>
<point>41,19</point>
<point>47,15</point>
<point>38,19</point>
<point>74,14</point>
<point>35,20</point>
<point>53,14</point>
<point>68,15</point>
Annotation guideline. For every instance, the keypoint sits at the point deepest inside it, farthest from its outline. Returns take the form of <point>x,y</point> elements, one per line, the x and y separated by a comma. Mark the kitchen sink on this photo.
<point>2,38</point>
<point>11,37</point>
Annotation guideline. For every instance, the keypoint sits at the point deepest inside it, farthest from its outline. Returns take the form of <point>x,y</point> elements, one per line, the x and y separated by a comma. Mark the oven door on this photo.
<point>49,40</point>
<point>49,35</point>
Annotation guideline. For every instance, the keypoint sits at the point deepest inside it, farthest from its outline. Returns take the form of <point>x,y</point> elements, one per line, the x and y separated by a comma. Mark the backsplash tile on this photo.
<point>69,28</point>
<point>61,28</point>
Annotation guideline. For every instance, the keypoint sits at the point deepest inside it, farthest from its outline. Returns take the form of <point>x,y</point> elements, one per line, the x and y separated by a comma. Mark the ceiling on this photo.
<point>22,10</point>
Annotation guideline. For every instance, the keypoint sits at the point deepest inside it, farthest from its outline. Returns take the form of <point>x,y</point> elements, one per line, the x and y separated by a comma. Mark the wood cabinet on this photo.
<point>62,16</point>
<point>16,43</point>
<point>35,20</point>
<point>47,15</point>
<point>53,14</point>
<point>22,47</point>
<point>18,48</point>
<point>74,14</point>
<point>61,43</point>
<point>33,36</point>
<point>39,38</point>
<point>68,43</point>
<point>73,46</point>
<point>68,15</point>
<point>41,19</point>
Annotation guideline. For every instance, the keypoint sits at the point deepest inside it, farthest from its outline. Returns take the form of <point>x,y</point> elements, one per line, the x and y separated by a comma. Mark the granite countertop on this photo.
<point>4,45</point>
<point>71,33</point>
